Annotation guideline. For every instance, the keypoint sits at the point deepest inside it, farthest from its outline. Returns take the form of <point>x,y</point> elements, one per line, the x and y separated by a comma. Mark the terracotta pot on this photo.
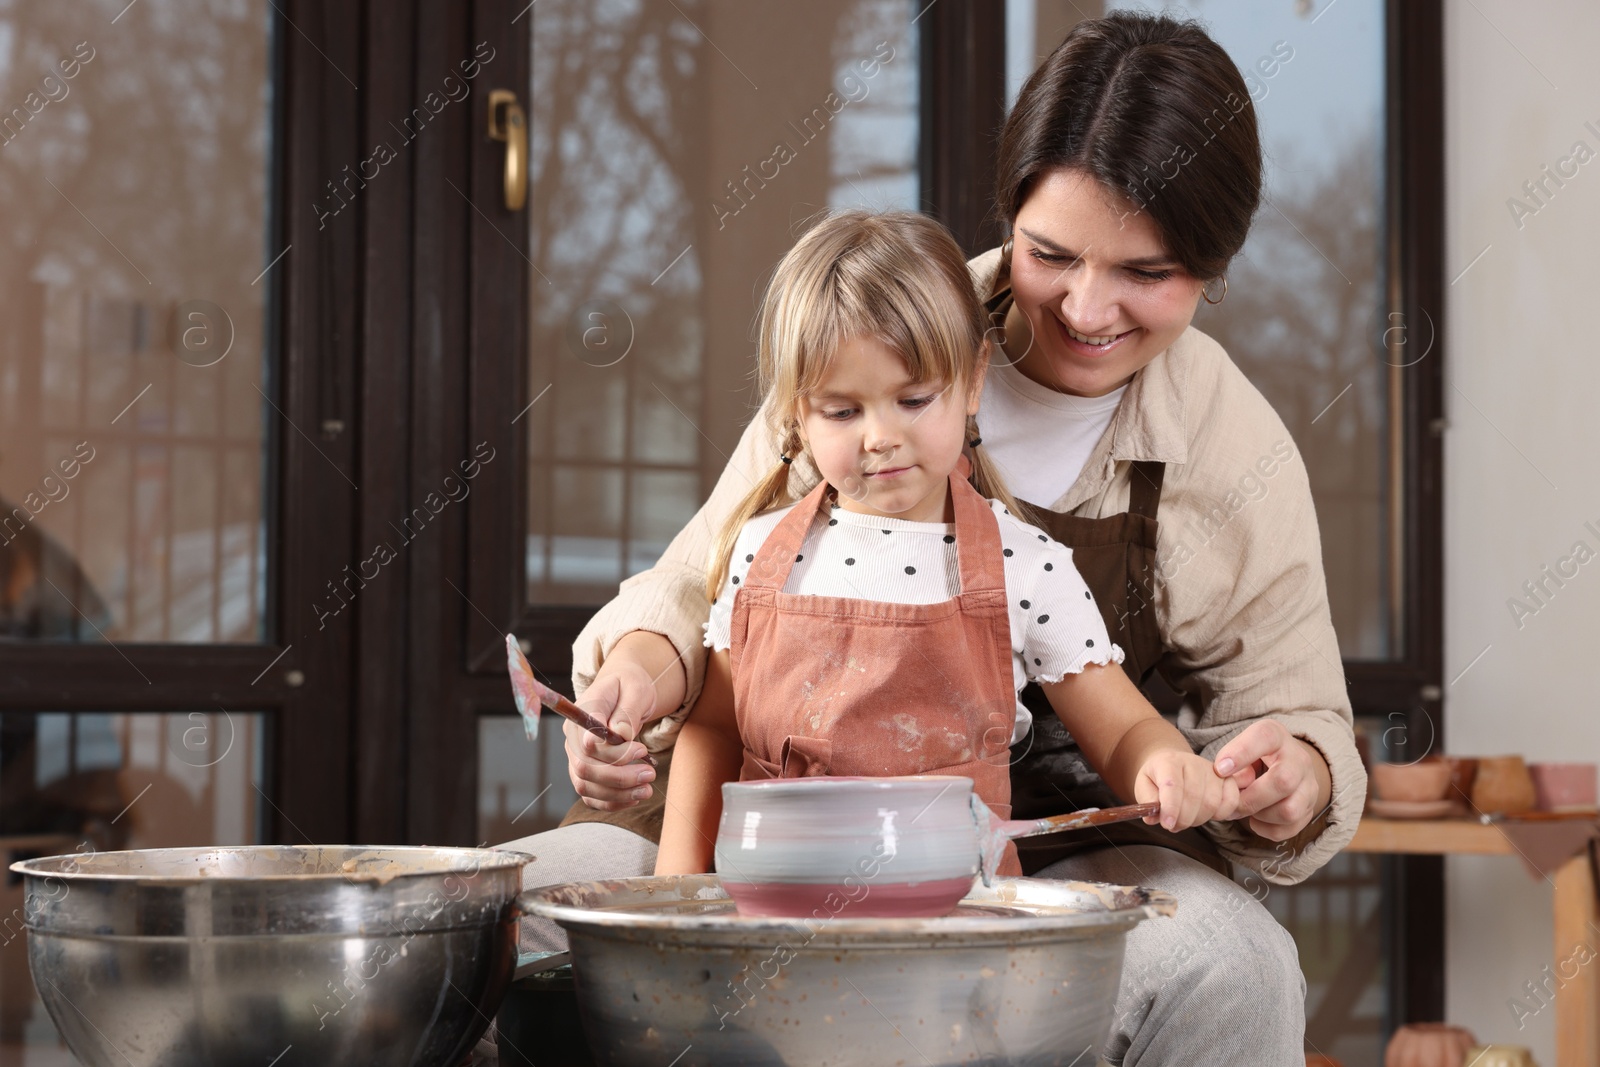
<point>1424,780</point>
<point>1428,1045</point>
<point>1503,786</point>
<point>1563,786</point>
<point>1499,1056</point>
<point>1463,771</point>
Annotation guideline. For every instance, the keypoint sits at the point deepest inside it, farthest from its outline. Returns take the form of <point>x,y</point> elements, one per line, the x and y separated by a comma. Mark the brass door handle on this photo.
<point>513,130</point>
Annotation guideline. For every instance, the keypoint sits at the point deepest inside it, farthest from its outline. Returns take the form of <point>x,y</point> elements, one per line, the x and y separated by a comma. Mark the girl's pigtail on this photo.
<point>985,477</point>
<point>772,491</point>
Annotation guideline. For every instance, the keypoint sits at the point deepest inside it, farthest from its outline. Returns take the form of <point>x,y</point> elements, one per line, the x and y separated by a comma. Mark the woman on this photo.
<point>1129,172</point>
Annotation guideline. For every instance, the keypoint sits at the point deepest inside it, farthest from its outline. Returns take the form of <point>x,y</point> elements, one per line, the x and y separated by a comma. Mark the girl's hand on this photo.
<point>1189,788</point>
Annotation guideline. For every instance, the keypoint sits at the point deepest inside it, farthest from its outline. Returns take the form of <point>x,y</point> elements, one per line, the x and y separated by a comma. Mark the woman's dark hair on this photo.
<point>1154,110</point>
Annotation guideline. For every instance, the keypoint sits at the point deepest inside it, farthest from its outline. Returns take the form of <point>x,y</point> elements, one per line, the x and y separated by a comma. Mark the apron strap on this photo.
<point>977,539</point>
<point>775,558</point>
<point>1144,487</point>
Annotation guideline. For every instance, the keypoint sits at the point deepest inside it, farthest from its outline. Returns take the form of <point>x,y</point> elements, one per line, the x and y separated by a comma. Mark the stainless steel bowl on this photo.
<point>270,955</point>
<point>1023,973</point>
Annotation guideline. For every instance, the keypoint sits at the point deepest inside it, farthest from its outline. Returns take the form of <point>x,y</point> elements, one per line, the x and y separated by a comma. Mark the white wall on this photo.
<point>1522,453</point>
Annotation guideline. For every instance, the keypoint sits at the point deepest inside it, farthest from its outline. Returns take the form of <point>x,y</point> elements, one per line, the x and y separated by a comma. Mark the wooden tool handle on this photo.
<point>1080,820</point>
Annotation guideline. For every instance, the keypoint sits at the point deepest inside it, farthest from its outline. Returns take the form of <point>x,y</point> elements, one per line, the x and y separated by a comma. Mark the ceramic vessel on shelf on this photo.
<point>1410,809</point>
<point>1463,771</point>
<point>1499,1056</point>
<point>1503,786</point>
<point>1564,786</point>
<point>1428,1045</point>
<point>1412,783</point>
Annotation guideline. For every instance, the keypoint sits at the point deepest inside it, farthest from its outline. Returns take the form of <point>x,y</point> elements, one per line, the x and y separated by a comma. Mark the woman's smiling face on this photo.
<point>1100,294</point>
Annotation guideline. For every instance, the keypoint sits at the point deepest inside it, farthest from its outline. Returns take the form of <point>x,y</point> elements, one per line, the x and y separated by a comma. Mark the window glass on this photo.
<point>134,287</point>
<point>676,148</point>
<point>1303,316</point>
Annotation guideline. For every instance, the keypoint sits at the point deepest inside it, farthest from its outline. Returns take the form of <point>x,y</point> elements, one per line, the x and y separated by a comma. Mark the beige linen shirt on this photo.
<point>1240,596</point>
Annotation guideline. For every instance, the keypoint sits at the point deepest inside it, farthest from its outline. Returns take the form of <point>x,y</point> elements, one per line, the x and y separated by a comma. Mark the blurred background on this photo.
<point>298,417</point>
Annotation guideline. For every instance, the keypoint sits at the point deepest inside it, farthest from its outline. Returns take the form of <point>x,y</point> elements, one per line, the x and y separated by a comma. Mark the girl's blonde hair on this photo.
<point>897,277</point>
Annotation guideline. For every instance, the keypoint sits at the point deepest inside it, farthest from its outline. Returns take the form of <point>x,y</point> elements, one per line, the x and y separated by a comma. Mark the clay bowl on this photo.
<point>1427,779</point>
<point>1503,786</point>
<point>890,847</point>
<point>1428,1045</point>
<point>1563,786</point>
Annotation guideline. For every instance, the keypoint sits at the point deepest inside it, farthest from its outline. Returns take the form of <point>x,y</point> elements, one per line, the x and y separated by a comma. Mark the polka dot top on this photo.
<point>1056,628</point>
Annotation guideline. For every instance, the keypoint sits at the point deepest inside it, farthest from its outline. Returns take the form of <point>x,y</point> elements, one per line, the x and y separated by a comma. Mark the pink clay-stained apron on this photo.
<point>841,686</point>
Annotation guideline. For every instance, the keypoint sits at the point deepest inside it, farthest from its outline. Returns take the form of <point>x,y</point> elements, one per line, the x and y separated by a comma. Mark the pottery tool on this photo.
<point>994,833</point>
<point>532,694</point>
<point>1077,820</point>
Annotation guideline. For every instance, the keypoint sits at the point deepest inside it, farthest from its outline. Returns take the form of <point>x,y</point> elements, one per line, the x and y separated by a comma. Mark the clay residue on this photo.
<point>376,867</point>
<point>908,732</point>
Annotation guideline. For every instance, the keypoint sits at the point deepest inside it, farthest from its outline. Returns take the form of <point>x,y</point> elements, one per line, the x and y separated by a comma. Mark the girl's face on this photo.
<point>1098,293</point>
<point>885,442</point>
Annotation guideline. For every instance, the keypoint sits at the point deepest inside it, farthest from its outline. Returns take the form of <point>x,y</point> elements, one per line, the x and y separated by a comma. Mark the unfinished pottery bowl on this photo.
<point>885,847</point>
<point>1427,779</point>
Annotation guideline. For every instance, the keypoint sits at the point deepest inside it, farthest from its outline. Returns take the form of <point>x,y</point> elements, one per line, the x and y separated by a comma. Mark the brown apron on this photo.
<point>1116,557</point>
<point>829,685</point>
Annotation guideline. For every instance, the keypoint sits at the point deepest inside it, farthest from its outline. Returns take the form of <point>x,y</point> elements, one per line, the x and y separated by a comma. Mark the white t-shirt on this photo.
<point>1055,627</point>
<point>1022,420</point>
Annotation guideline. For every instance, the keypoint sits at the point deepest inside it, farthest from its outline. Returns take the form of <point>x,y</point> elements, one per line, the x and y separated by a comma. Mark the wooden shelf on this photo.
<point>1577,913</point>
<point>1429,837</point>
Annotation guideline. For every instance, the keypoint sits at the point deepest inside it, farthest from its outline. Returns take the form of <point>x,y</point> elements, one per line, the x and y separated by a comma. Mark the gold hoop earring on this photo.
<point>1219,299</point>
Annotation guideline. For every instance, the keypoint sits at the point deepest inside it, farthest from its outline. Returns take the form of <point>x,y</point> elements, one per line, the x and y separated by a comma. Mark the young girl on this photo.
<point>883,624</point>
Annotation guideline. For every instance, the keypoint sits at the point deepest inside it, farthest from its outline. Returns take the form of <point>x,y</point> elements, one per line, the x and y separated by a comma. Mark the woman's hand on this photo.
<point>1189,788</point>
<point>640,681</point>
<point>610,777</point>
<point>1283,781</point>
